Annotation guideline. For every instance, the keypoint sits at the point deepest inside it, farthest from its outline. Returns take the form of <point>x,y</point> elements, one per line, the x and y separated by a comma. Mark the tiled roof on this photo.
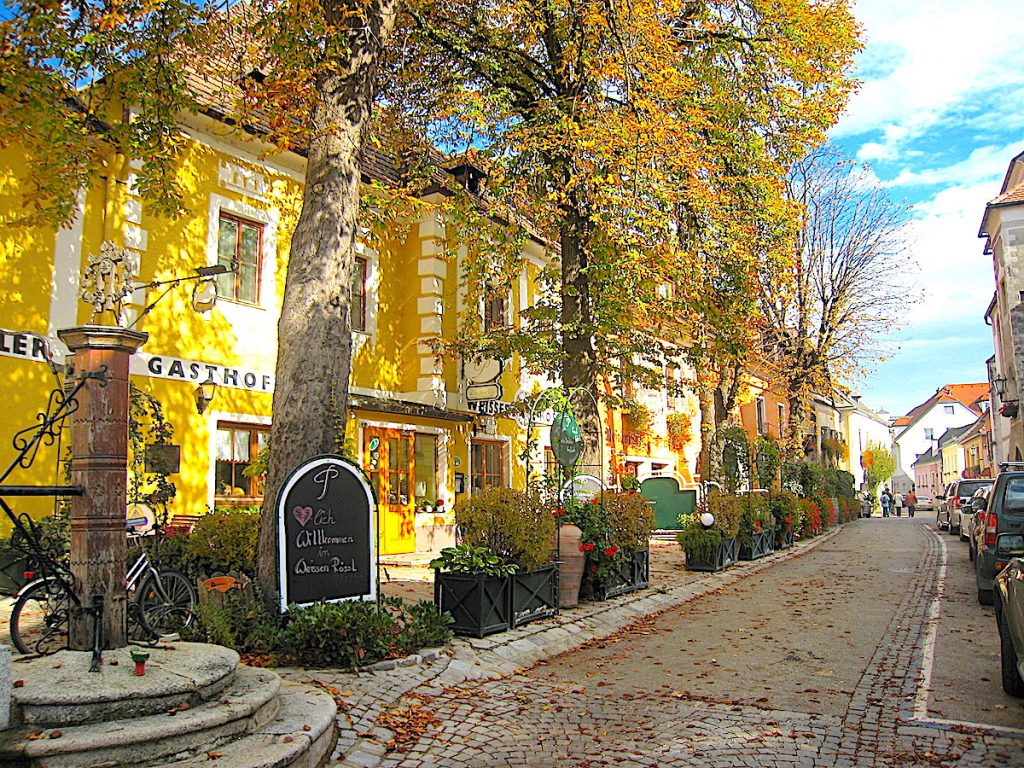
<point>968,395</point>
<point>981,427</point>
<point>1015,195</point>
<point>952,433</point>
<point>217,89</point>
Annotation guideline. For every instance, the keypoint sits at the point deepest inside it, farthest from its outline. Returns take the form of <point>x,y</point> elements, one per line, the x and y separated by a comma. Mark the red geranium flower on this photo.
<point>610,552</point>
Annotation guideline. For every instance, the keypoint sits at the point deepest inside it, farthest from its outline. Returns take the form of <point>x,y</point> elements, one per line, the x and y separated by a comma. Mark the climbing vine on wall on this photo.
<point>147,427</point>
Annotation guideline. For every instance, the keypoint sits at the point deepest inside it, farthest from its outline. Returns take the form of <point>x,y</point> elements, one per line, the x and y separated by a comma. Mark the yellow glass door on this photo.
<point>388,459</point>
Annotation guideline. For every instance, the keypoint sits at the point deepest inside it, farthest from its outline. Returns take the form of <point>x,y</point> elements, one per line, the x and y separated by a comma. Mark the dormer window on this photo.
<point>470,178</point>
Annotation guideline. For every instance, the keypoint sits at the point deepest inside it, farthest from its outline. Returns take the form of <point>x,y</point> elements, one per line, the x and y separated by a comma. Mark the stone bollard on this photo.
<point>5,687</point>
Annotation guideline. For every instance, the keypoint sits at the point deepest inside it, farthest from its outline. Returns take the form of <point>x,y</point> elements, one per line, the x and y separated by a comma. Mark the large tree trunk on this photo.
<point>579,364</point>
<point>314,357</point>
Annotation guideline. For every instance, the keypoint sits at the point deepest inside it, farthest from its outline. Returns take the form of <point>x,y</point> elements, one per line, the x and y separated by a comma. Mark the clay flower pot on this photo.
<point>572,561</point>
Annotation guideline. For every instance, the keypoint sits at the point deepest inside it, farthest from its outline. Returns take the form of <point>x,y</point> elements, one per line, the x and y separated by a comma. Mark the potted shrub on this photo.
<point>472,584</point>
<point>756,532</point>
<point>630,520</point>
<point>812,521</point>
<point>709,538</point>
<point>519,529</point>
<point>785,509</point>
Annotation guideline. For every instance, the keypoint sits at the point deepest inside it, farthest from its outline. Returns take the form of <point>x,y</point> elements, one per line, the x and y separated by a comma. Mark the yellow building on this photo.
<point>425,431</point>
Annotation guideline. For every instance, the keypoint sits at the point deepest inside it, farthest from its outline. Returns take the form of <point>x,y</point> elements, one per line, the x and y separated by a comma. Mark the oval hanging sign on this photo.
<point>566,439</point>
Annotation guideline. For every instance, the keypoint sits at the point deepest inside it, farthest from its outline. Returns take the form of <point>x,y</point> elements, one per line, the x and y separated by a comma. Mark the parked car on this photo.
<point>925,502</point>
<point>957,494</point>
<point>977,520</point>
<point>1009,600</point>
<point>1004,513</point>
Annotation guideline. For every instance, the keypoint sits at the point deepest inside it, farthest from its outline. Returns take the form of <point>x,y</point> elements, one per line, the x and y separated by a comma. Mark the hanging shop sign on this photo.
<point>566,439</point>
<point>326,534</point>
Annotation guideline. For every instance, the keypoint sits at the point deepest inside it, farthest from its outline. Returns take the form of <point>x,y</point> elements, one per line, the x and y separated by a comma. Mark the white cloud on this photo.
<point>924,59</point>
<point>985,165</point>
<point>954,271</point>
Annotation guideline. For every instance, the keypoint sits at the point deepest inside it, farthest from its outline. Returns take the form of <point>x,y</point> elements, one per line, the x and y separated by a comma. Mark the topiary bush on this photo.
<point>631,519</point>
<point>727,509</point>
<point>514,524</point>
<point>695,540</point>
<point>756,517</point>
<point>225,540</point>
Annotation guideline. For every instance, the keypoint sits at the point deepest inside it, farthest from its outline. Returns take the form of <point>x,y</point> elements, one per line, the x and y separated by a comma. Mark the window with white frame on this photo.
<point>359,275</point>
<point>488,465</point>
<point>238,445</point>
<point>762,416</point>
<point>240,249</point>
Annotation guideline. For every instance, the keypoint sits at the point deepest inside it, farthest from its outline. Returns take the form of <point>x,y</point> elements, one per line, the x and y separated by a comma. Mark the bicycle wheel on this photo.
<point>39,619</point>
<point>168,601</point>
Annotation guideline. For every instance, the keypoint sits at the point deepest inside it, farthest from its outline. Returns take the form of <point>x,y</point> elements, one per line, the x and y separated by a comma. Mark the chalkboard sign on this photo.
<point>326,533</point>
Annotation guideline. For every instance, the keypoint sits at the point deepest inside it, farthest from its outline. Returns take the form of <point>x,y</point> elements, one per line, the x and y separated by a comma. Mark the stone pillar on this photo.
<point>99,439</point>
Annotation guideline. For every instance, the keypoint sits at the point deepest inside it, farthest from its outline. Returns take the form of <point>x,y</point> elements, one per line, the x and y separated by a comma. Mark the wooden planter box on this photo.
<point>634,572</point>
<point>479,605</point>
<point>784,541</point>
<point>760,546</point>
<point>723,558</point>
<point>533,595</point>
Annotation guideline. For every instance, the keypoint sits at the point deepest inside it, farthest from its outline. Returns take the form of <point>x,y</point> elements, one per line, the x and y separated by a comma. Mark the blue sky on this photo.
<point>939,115</point>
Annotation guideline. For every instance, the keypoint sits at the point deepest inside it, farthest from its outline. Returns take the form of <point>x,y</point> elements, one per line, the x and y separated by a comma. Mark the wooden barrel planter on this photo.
<point>760,546</point>
<point>479,604</point>
<point>722,558</point>
<point>533,595</point>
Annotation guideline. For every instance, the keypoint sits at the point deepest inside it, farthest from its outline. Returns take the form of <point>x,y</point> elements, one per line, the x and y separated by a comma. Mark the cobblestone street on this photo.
<point>490,703</point>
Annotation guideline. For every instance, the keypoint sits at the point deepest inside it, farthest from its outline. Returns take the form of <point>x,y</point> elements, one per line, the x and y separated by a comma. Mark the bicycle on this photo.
<point>163,603</point>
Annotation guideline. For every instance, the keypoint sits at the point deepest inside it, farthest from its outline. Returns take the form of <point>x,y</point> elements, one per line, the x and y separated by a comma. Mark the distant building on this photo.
<point>860,425</point>
<point>953,405</point>
<point>928,473</point>
<point>951,454</point>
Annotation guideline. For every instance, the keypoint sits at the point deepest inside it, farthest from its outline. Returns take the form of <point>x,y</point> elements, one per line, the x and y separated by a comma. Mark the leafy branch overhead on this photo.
<point>644,143</point>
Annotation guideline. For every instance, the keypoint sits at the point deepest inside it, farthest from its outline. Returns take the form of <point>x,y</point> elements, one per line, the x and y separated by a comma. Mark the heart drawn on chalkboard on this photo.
<point>303,514</point>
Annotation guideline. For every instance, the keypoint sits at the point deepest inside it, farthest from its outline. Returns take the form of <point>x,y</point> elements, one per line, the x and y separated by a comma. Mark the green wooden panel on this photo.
<point>669,500</point>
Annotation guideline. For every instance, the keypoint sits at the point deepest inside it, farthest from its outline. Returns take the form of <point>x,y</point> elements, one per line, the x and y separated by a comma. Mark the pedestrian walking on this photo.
<point>886,500</point>
<point>911,502</point>
<point>898,503</point>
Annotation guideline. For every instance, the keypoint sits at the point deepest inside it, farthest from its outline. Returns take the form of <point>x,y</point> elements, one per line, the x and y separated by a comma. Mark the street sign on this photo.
<point>327,536</point>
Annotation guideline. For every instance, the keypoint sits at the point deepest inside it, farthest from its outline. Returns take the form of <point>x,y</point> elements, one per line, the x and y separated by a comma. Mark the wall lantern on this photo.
<point>999,385</point>
<point>204,394</point>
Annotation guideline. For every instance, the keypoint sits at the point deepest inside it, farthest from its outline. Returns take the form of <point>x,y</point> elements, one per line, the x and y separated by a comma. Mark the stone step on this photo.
<point>301,736</point>
<point>247,705</point>
<point>60,690</point>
